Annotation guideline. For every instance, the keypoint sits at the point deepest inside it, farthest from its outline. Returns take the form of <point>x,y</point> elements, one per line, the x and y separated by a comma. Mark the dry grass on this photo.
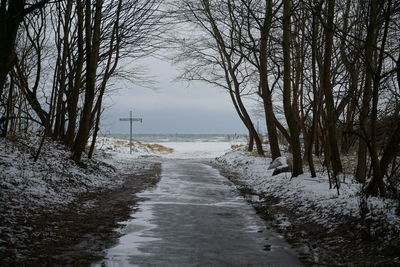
<point>121,142</point>
<point>137,146</point>
<point>236,146</point>
<point>159,148</point>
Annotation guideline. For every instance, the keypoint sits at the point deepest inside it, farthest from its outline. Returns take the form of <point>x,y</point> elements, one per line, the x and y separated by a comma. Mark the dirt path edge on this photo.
<point>344,245</point>
<point>78,234</point>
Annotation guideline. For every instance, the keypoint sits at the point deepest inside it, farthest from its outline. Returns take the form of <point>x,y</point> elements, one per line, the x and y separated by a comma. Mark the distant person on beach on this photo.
<point>235,137</point>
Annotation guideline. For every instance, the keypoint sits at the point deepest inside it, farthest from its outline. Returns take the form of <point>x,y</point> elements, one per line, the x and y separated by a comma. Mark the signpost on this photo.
<point>131,119</point>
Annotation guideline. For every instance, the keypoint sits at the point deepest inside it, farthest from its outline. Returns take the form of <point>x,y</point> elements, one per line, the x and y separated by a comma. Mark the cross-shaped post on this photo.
<point>131,119</point>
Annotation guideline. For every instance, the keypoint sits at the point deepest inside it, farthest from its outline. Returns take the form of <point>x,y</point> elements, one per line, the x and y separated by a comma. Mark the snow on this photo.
<point>279,163</point>
<point>190,150</point>
<point>28,188</point>
<point>55,180</point>
<point>308,196</point>
<point>119,148</point>
<point>42,181</point>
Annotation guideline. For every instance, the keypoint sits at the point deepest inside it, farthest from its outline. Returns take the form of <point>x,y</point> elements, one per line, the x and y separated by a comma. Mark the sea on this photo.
<point>163,138</point>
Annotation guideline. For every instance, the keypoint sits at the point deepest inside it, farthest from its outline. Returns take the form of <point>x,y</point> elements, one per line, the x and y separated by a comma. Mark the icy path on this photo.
<point>196,217</point>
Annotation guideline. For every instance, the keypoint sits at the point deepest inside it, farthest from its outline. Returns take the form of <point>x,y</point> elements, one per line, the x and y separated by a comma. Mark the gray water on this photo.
<point>160,138</point>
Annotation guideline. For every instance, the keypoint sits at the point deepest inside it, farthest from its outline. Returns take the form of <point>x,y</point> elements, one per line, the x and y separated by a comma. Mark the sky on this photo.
<point>171,106</point>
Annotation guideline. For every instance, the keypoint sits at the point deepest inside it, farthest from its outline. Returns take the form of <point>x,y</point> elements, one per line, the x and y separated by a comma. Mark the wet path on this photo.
<point>196,217</point>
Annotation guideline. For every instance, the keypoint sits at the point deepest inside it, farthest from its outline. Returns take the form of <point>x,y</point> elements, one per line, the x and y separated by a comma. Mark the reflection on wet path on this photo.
<point>196,217</point>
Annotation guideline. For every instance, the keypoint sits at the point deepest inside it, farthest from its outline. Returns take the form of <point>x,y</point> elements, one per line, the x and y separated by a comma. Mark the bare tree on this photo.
<point>289,113</point>
<point>229,68</point>
<point>12,13</point>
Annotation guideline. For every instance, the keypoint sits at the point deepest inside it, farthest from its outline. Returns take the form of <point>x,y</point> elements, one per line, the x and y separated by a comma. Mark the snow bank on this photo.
<point>54,178</point>
<point>28,187</point>
<point>309,196</point>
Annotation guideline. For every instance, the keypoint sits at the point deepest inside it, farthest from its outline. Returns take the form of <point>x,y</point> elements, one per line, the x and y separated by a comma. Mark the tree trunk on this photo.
<point>230,69</point>
<point>9,24</point>
<point>328,89</point>
<point>109,70</point>
<point>350,100</point>
<point>250,146</point>
<point>95,132</point>
<point>377,184</point>
<point>271,126</point>
<point>364,113</point>
<point>92,50</point>
<point>238,111</point>
<point>59,124</point>
<point>73,96</point>
<point>8,110</point>
<point>12,13</point>
<point>265,91</point>
<point>248,120</point>
<point>317,97</point>
<point>293,127</point>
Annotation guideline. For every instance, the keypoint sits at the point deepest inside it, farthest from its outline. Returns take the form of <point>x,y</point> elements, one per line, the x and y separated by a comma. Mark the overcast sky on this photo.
<point>173,107</point>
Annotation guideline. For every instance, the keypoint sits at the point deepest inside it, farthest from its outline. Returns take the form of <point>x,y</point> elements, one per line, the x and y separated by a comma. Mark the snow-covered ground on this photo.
<point>119,148</point>
<point>53,179</point>
<point>56,180</point>
<point>28,188</point>
<point>188,150</point>
<point>310,197</point>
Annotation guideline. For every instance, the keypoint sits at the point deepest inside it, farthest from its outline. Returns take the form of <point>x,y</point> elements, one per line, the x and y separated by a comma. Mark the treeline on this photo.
<point>327,74</point>
<point>57,59</point>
